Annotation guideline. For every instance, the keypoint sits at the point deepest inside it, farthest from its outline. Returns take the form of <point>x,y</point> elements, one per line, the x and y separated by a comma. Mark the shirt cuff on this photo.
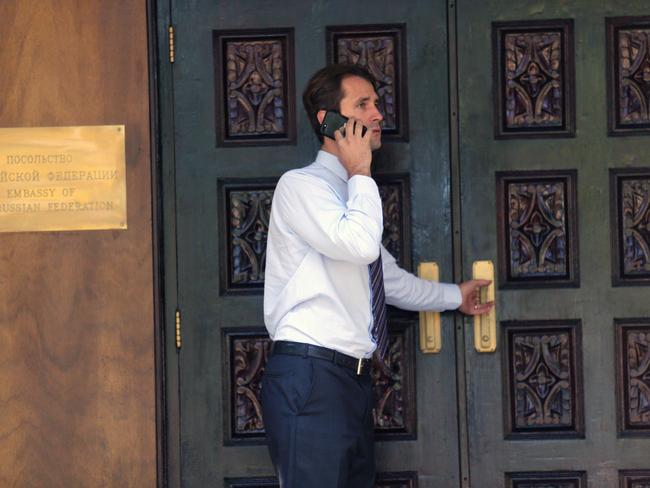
<point>452,298</point>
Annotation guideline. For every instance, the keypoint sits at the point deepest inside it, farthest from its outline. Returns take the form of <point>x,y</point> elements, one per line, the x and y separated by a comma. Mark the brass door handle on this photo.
<point>485,326</point>
<point>430,336</point>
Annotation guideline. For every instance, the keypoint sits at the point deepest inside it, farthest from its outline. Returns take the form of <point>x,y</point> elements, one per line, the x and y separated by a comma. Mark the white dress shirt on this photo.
<point>324,231</point>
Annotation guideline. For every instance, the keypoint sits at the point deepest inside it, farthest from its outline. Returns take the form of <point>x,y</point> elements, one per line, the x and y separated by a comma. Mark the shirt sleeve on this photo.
<point>347,231</point>
<point>406,291</point>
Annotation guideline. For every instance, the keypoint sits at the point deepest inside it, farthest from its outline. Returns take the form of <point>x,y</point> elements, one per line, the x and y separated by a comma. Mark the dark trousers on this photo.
<point>318,421</point>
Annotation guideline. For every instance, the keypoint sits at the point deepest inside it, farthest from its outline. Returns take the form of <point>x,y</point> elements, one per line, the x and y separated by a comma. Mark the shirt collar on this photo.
<point>332,163</point>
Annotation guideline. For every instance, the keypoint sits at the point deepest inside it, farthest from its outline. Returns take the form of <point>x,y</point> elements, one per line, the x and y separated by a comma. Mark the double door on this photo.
<point>459,184</point>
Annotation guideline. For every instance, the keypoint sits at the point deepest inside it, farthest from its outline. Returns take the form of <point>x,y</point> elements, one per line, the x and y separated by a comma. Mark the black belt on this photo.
<point>359,365</point>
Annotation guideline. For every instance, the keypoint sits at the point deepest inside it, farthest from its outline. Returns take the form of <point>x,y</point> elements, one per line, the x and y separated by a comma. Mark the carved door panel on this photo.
<point>565,399</point>
<point>238,124</point>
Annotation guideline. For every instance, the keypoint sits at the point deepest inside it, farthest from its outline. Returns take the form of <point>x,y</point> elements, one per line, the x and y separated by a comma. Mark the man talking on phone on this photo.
<point>327,282</point>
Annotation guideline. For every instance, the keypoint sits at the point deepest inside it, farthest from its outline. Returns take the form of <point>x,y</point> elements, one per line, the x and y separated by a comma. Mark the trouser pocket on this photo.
<point>287,385</point>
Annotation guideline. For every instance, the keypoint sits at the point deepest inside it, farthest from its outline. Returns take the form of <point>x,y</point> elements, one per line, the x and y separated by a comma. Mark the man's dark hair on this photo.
<point>323,91</point>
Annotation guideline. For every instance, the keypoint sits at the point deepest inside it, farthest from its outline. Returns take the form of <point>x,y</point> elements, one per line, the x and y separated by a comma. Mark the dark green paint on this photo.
<point>596,302</point>
<point>192,164</point>
<point>205,461</point>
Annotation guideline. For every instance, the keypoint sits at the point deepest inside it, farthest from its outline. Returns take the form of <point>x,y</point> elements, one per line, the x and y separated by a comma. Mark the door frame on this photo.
<point>161,124</point>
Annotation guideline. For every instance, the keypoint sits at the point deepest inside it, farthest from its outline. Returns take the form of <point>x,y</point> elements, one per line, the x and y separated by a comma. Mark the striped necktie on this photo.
<point>378,301</point>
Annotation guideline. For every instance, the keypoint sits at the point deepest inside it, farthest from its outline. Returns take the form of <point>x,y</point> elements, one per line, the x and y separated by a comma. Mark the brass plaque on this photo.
<point>62,178</point>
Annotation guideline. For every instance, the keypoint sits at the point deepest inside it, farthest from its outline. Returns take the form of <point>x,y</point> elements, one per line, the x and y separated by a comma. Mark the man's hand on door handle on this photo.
<point>471,292</point>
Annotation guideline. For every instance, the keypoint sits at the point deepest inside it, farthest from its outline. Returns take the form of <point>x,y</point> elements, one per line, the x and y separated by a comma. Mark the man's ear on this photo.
<point>320,115</point>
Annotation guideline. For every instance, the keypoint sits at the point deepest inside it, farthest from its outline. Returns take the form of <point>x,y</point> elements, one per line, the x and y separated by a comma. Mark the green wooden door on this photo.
<point>561,401</point>
<point>237,126</point>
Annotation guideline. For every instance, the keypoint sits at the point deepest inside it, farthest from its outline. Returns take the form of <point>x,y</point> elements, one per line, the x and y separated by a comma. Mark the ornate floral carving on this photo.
<point>533,79</point>
<point>546,484</point>
<point>389,381</point>
<point>249,356</point>
<point>270,482</point>
<point>255,82</point>
<point>633,77</point>
<point>394,484</point>
<point>377,54</point>
<point>254,87</point>
<point>248,229</point>
<point>534,62</point>
<point>380,50</point>
<point>634,478</point>
<point>392,202</point>
<point>384,480</point>
<point>543,382</point>
<point>635,214</point>
<point>636,377</point>
<point>405,479</point>
<point>393,383</point>
<point>248,213</point>
<point>537,229</point>
<point>549,479</point>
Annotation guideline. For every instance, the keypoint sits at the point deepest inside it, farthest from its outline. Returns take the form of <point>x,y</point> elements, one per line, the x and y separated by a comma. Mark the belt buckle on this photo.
<point>359,366</point>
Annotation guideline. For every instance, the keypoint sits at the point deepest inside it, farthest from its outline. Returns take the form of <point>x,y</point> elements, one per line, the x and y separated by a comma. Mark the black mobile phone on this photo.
<point>333,121</point>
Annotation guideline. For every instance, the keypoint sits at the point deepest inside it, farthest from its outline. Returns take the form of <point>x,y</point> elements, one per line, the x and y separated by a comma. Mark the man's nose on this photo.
<point>377,116</point>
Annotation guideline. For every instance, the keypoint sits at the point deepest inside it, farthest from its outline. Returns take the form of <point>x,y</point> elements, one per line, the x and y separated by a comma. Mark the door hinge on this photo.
<point>171,44</point>
<point>178,329</point>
